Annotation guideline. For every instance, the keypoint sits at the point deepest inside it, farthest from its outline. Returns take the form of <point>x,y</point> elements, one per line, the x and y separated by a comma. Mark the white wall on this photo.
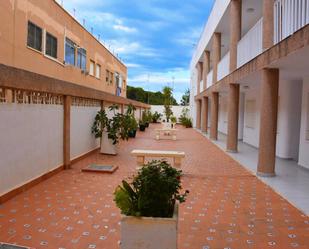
<point>177,110</point>
<point>303,159</point>
<point>290,94</point>
<point>223,116</point>
<point>31,142</point>
<point>82,140</point>
<point>251,134</point>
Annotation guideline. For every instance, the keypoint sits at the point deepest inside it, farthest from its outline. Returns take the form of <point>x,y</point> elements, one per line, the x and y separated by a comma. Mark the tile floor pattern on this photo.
<point>227,207</point>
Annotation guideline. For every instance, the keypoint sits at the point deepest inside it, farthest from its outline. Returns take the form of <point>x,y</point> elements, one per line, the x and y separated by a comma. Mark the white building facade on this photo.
<point>250,78</point>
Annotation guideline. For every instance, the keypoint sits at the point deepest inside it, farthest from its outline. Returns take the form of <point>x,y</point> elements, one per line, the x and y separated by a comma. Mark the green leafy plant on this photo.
<point>156,116</point>
<point>173,119</point>
<point>132,123</point>
<point>152,193</point>
<point>168,94</point>
<point>184,118</point>
<point>117,127</point>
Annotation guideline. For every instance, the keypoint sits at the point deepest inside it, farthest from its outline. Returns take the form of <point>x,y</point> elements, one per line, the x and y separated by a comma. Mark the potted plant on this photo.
<point>184,118</point>
<point>146,118</point>
<point>110,130</point>
<point>142,125</point>
<point>173,121</point>
<point>132,123</point>
<point>156,116</point>
<point>149,207</point>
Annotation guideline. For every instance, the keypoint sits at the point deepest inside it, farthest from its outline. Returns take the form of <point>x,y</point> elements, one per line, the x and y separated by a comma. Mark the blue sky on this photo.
<point>154,38</point>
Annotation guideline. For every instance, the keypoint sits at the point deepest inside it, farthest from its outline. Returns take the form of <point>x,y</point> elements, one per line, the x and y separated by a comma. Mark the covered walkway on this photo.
<point>228,206</point>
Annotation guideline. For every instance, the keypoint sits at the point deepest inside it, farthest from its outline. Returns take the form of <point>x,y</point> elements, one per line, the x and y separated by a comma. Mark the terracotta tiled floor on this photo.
<point>227,206</point>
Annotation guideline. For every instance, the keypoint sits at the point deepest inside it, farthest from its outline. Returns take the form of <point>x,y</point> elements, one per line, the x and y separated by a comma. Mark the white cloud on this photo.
<point>124,28</point>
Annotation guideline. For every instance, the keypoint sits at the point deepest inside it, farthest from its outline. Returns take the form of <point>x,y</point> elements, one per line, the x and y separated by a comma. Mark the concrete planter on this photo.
<point>149,233</point>
<point>107,146</point>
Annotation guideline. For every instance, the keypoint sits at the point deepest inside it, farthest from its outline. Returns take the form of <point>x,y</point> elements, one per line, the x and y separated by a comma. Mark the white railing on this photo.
<point>209,78</point>
<point>289,16</point>
<point>224,66</point>
<point>250,44</point>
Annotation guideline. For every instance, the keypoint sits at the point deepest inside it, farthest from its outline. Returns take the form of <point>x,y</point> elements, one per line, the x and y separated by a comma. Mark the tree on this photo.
<point>185,100</point>
<point>167,93</point>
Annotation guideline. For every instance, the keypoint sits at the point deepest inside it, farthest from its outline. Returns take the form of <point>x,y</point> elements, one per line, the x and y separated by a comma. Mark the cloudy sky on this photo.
<point>154,38</point>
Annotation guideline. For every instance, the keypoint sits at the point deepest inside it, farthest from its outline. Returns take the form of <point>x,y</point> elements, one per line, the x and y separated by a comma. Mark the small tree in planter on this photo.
<point>110,130</point>
<point>149,204</point>
<point>132,123</point>
<point>156,116</point>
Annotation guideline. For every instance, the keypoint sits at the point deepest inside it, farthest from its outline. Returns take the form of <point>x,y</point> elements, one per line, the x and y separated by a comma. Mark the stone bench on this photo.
<point>166,131</point>
<point>177,156</point>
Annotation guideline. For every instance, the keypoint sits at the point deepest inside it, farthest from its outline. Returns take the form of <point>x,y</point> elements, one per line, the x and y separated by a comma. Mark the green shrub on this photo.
<point>152,193</point>
<point>184,119</point>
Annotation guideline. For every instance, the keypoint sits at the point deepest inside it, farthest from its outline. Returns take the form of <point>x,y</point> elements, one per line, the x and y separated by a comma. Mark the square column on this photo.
<point>66,131</point>
<point>216,52</point>
<point>235,30</point>
<point>214,115</point>
<point>198,114</point>
<point>268,24</point>
<point>204,114</point>
<point>268,122</point>
<point>233,115</point>
<point>206,68</point>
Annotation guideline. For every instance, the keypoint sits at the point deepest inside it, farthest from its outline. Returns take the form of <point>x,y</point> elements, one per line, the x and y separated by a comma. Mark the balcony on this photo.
<point>209,78</point>
<point>250,45</point>
<point>224,66</point>
<point>289,16</point>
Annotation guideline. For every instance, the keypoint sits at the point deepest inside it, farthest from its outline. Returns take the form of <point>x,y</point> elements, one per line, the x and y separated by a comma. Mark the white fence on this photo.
<point>209,78</point>
<point>289,16</point>
<point>250,45</point>
<point>224,66</point>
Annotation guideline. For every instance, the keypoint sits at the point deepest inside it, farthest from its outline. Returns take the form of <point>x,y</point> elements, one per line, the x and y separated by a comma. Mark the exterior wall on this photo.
<point>82,140</point>
<point>289,115</point>
<point>223,115</point>
<point>303,159</point>
<point>28,149</point>
<point>177,110</point>
<point>51,17</point>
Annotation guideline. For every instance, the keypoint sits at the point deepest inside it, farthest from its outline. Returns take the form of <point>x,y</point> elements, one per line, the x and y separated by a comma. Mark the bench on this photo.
<point>166,131</point>
<point>142,154</point>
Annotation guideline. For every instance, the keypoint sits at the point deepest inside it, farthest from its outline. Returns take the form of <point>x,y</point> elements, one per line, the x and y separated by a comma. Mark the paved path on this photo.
<point>227,207</point>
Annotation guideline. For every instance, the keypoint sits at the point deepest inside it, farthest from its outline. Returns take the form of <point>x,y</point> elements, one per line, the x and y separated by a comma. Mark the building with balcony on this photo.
<point>42,37</point>
<point>250,79</point>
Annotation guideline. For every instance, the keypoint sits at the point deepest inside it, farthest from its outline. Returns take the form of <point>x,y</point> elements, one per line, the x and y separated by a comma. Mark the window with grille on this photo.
<point>81,58</point>
<point>51,45</point>
<point>34,39</point>
<point>250,117</point>
<point>69,52</point>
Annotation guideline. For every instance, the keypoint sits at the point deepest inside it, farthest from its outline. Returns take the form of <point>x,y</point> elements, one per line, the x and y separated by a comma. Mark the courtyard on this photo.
<point>228,206</point>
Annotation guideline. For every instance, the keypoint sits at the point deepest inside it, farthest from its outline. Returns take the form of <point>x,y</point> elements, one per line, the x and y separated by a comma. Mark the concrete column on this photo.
<point>206,67</point>
<point>233,115</point>
<point>198,114</point>
<point>268,122</point>
<point>268,24</point>
<point>66,131</point>
<point>216,52</point>
<point>214,113</point>
<point>204,118</point>
<point>235,31</point>
<point>8,94</point>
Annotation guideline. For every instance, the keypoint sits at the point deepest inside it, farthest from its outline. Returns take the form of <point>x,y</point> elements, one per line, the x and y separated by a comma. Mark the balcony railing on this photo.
<point>224,66</point>
<point>209,78</point>
<point>250,45</point>
<point>289,16</point>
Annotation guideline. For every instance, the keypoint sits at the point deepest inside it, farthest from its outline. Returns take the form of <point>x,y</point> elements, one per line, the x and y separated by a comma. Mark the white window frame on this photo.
<point>91,68</point>
<point>98,71</point>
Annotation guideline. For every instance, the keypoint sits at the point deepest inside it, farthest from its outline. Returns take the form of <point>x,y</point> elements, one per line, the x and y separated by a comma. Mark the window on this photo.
<point>107,76</point>
<point>98,71</point>
<point>307,126</point>
<point>51,45</point>
<point>81,58</point>
<point>91,69</point>
<point>69,52</point>
<point>111,78</point>
<point>250,114</point>
<point>34,39</point>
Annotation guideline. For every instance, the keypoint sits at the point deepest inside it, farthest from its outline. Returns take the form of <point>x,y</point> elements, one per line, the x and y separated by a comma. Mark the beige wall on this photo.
<point>48,15</point>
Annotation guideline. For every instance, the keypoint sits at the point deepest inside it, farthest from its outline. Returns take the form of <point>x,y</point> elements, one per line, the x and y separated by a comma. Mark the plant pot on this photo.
<point>147,124</point>
<point>132,133</point>
<point>142,127</point>
<point>149,232</point>
<point>107,146</point>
